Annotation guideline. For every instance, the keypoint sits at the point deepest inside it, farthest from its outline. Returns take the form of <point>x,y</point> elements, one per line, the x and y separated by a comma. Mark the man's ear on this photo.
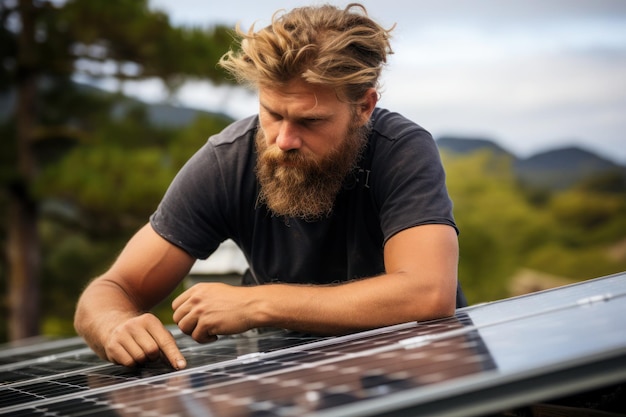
<point>366,105</point>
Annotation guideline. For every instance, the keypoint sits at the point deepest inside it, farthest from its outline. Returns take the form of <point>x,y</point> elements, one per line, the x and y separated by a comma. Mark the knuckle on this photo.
<point>118,355</point>
<point>144,320</point>
<point>127,362</point>
<point>151,350</point>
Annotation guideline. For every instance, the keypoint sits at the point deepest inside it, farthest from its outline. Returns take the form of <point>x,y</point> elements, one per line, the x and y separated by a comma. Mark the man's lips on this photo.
<point>288,164</point>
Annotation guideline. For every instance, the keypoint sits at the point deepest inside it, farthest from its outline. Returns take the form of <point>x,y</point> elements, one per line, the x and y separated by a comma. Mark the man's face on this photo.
<point>307,143</point>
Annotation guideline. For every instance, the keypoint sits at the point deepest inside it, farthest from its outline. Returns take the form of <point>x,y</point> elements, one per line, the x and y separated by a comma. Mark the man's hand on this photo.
<point>208,309</point>
<point>110,312</point>
<point>142,339</point>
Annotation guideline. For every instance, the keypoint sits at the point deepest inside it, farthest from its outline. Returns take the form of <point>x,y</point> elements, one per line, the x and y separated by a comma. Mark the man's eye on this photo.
<point>311,121</point>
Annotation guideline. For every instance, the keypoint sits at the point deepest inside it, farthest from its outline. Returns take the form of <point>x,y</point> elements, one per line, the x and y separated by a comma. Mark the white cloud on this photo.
<point>234,101</point>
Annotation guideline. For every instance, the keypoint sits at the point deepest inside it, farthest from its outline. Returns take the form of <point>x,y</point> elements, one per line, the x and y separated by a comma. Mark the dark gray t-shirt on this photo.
<point>400,183</point>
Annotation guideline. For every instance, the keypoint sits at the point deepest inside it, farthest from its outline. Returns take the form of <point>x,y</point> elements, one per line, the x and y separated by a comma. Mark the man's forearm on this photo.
<point>359,305</point>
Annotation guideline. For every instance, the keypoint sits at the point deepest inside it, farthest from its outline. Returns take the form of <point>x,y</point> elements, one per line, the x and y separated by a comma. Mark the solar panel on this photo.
<point>486,358</point>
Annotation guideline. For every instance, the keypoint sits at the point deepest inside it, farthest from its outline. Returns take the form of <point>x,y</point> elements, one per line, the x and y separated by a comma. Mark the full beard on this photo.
<point>297,186</point>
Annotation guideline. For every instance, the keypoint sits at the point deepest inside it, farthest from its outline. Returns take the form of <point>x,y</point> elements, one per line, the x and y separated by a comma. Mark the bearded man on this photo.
<point>340,207</point>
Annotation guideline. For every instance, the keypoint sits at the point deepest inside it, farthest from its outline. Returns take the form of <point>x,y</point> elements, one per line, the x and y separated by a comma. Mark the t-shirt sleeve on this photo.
<point>189,214</point>
<point>410,187</point>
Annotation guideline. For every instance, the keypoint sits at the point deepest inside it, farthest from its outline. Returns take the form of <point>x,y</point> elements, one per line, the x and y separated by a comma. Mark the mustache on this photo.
<point>275,156</point>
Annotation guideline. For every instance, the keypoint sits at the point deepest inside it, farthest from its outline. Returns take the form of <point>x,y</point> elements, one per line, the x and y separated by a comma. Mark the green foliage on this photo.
<point>112,186</point>
<point>576,264</point>
<point>142,42</point>
<point>71,259</point>
<point>123,39</point>
<point>92,162</point>
<point>611,182</point>
<point>194,136</point>
<point>495,222</point>
<point>576,234</point>
<point>586,211</point>
<point>98,195</point>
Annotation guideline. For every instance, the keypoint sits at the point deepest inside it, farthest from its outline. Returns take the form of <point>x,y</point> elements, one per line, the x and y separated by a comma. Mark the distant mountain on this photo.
<point>159,114</point>
<point>564,167</point>
<point>175,116</point>
<point>554,169</point>
<point>165,115</point>
<point>466,145</point>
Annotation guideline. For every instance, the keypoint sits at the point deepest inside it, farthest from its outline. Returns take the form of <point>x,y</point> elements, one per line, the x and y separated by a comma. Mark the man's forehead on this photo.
<point>301,96</point>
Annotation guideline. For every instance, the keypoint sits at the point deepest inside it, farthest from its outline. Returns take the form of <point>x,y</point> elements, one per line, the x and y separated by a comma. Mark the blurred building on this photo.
<point>227,264</point>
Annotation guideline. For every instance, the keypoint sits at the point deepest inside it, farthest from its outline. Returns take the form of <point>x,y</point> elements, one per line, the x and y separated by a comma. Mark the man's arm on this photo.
<point>111,313</point>
<point>419,284</point>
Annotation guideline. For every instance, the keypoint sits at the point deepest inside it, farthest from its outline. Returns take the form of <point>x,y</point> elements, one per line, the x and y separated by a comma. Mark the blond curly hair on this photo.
<point>342,49</point>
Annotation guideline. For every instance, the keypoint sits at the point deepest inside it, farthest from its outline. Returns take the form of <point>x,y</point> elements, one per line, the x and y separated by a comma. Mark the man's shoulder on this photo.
<point>232,133</point>
<point>392,125</point>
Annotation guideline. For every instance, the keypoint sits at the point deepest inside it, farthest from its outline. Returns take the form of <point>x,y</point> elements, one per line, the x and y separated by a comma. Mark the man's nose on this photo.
<point>288,137</point>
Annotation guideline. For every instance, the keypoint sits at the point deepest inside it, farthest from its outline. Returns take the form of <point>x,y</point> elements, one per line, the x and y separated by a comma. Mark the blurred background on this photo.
<point>101,102</point>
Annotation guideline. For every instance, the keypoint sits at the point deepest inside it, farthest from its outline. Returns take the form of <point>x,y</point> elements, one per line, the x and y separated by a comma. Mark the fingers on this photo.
<point>208,309</point>
<point>180,300</point>
<point>181,311</point>
<point>192,319</point>
<point>140,340</point>
<point>202,336</point>
<point>191,323</point>
<point>187,312</point>
<point>168,347</point>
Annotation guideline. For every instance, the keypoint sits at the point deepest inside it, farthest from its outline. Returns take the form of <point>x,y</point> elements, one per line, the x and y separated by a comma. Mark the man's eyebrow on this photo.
<point>266,107</point>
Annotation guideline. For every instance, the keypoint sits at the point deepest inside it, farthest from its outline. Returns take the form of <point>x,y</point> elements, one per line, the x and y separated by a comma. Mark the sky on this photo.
<point>532,75</point>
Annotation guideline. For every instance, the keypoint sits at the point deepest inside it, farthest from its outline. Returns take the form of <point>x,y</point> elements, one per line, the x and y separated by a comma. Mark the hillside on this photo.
<point>554,169</point>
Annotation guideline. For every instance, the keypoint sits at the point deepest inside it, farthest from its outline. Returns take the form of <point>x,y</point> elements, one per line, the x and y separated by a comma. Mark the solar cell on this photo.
<point>484,359</point>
